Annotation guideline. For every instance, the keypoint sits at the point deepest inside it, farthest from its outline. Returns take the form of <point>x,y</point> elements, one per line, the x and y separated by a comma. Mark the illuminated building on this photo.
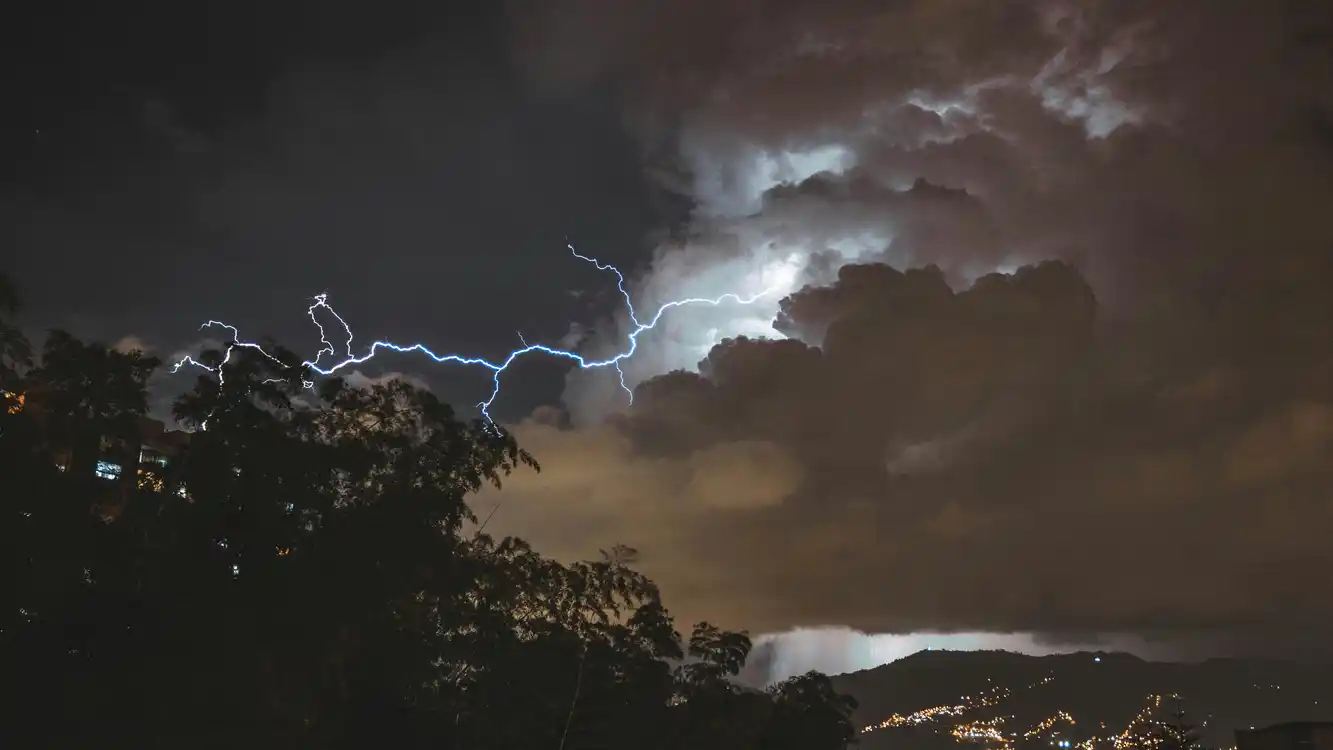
<point>1296,735</point>
<point>156,445</point>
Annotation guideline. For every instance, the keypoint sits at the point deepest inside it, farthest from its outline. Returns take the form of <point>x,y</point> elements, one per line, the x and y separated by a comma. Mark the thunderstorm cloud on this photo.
<point>1050,347</point>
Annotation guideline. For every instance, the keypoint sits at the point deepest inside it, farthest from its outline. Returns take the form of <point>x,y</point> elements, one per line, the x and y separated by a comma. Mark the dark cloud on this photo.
<point>1133,439</point>
<point>973,461</point>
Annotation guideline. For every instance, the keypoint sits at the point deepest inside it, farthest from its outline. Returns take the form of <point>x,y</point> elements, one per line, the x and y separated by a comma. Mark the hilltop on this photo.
<point>1000,699</point>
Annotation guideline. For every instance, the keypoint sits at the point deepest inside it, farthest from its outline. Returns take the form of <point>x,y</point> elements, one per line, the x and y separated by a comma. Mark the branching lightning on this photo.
<point>350,358</point>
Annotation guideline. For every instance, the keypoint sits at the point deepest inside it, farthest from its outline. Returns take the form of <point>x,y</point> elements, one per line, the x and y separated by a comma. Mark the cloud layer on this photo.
<point>986,460</point>
<point>1130,431</point>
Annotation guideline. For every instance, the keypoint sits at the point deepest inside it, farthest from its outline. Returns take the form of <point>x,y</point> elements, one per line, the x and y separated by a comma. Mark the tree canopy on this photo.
<point>307,572</point>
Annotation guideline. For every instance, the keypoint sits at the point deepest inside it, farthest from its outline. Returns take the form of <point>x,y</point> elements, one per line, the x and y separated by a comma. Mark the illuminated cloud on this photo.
<point>1126,442</point>
<point>841,650</point>
<point>823,146</point>
<point>131,343</point>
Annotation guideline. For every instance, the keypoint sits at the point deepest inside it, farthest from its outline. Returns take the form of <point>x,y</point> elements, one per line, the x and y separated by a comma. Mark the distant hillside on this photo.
<point>997,699</point>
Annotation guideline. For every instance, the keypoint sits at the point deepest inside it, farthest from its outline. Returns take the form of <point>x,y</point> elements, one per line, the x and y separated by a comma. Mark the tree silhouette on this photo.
<point>305,576</point>
<point>15,351</point>
<point>91,395</point>
<point>1171,730</point>
<point>810,713</point>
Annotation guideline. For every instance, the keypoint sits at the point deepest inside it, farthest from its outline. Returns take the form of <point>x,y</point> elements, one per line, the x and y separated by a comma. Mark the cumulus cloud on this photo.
<point>1048,343</point>
<point>1124,137</point>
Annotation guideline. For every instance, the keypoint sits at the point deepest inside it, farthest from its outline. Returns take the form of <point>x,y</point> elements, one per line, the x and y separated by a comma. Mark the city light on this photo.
<point>961,722</point>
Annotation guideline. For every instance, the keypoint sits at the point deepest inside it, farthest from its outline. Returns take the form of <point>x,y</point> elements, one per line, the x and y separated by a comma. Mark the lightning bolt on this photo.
<point>349,358</point>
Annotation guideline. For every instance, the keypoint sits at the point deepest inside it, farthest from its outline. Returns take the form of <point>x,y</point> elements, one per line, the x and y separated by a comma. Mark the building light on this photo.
<point>149,480</point>
<point>107,470</point>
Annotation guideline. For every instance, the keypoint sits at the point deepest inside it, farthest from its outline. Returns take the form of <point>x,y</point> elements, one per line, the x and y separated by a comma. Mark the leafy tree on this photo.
<point>92,394</point>
<point>808,712</point>
<point>306,576</point>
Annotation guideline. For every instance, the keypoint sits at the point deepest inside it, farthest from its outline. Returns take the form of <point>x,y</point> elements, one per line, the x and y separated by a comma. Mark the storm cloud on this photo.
<point>1053,346</point>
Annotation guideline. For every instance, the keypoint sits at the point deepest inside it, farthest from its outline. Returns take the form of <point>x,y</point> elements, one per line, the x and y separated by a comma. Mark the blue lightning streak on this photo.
<point>321,302</point>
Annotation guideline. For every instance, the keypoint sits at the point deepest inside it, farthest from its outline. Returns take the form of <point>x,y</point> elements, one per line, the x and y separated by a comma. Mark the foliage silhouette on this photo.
<point>1172,731</point>
<point>15,351</point>
<point>308,573</point>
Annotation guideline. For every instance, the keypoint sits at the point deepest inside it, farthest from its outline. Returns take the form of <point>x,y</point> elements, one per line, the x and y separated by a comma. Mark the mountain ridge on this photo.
<point>1087,699</point>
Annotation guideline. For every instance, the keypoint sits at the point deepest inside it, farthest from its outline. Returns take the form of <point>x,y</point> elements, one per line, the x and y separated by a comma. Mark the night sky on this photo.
<point>233,163</point>
<point>1131,446</point>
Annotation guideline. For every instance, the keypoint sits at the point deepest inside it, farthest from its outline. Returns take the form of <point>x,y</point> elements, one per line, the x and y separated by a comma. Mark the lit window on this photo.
<point>150,481</point>
<point>107,470</point>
